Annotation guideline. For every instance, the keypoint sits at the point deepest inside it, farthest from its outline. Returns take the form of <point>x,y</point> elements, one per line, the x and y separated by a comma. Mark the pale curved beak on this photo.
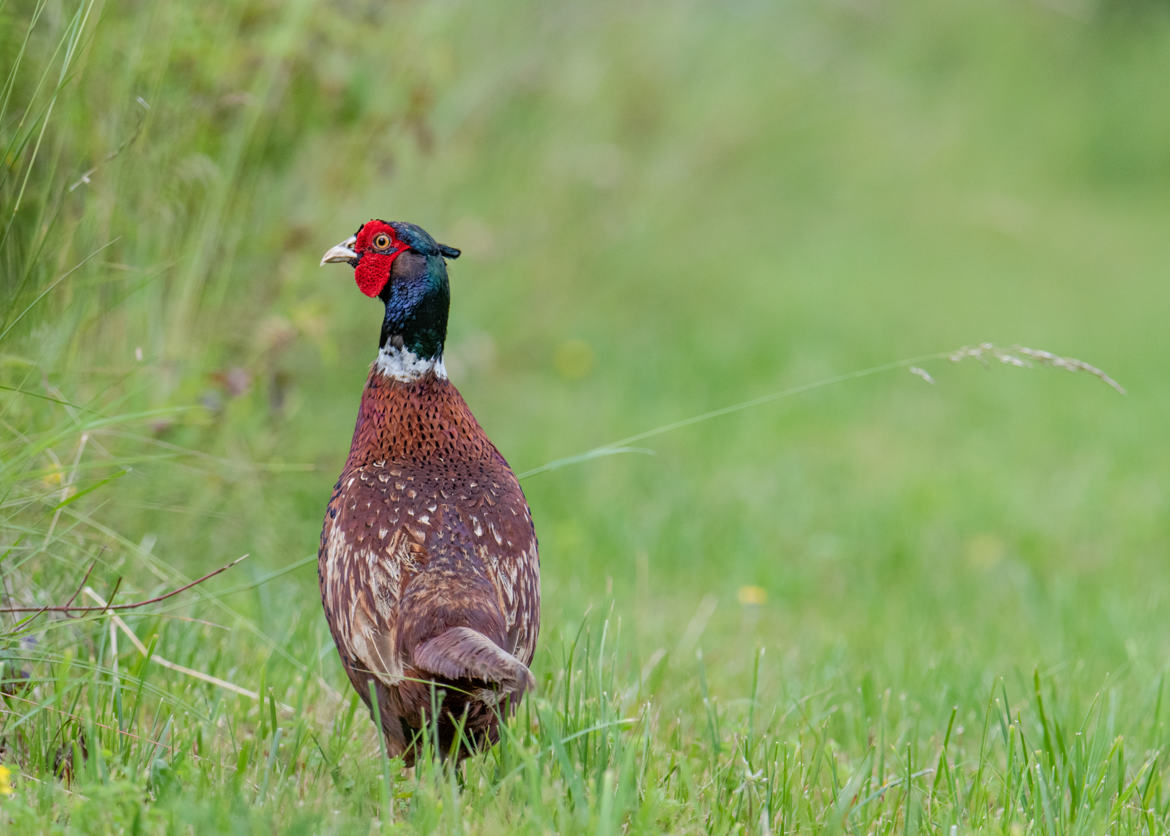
<point>342,252</point>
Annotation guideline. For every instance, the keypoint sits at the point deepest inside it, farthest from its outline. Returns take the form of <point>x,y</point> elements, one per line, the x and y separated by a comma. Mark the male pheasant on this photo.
<point>428,563</point>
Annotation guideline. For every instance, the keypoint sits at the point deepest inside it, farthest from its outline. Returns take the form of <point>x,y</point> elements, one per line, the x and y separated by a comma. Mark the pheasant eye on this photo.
<point>382,241</point>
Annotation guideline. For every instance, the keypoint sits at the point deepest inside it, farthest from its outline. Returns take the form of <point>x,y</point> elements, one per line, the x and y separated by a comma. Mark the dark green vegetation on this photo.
<point>962,589</point>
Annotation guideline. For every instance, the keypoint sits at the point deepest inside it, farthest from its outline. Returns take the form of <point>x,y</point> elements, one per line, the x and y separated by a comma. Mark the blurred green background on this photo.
<point>663,209</point>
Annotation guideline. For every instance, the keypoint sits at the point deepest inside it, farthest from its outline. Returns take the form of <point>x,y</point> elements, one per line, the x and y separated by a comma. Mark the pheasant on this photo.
<point>428,560</point>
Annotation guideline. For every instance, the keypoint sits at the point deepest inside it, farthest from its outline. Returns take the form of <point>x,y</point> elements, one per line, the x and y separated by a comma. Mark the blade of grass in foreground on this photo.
<point>1018,356</point>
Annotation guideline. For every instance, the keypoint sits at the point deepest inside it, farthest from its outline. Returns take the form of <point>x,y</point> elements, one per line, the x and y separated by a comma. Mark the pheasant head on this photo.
<point>406,268</point>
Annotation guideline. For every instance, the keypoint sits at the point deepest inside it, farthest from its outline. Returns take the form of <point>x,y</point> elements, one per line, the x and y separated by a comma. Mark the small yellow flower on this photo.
<point>573,359</point>
<point>752,596</point>
<point>5,783</point>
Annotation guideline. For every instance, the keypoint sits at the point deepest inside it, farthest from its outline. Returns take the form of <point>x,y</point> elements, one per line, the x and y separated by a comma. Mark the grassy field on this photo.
<point>877,605</point>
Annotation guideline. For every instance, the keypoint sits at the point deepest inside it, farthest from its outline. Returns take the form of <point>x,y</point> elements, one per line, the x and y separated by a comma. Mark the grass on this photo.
<point>873,606</point>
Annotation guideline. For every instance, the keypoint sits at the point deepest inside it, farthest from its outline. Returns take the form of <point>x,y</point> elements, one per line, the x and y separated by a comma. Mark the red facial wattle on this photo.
<point>373,269</point>
<point>375,258</point>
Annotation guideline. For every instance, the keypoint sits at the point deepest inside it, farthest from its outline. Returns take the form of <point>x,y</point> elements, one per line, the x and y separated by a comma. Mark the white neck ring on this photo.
<point>405,366</point>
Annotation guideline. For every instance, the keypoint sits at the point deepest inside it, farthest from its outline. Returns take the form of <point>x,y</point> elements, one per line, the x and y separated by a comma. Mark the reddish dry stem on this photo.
<point>70,608</point>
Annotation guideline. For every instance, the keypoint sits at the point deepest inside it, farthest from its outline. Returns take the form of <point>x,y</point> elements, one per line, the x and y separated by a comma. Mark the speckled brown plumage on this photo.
<point>428,567</point>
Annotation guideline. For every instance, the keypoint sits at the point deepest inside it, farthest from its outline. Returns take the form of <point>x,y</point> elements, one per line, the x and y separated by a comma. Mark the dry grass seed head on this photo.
<point>1024,358</point>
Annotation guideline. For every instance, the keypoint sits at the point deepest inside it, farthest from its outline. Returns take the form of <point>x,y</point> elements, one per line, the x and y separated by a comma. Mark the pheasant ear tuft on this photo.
<point>449,252</point>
